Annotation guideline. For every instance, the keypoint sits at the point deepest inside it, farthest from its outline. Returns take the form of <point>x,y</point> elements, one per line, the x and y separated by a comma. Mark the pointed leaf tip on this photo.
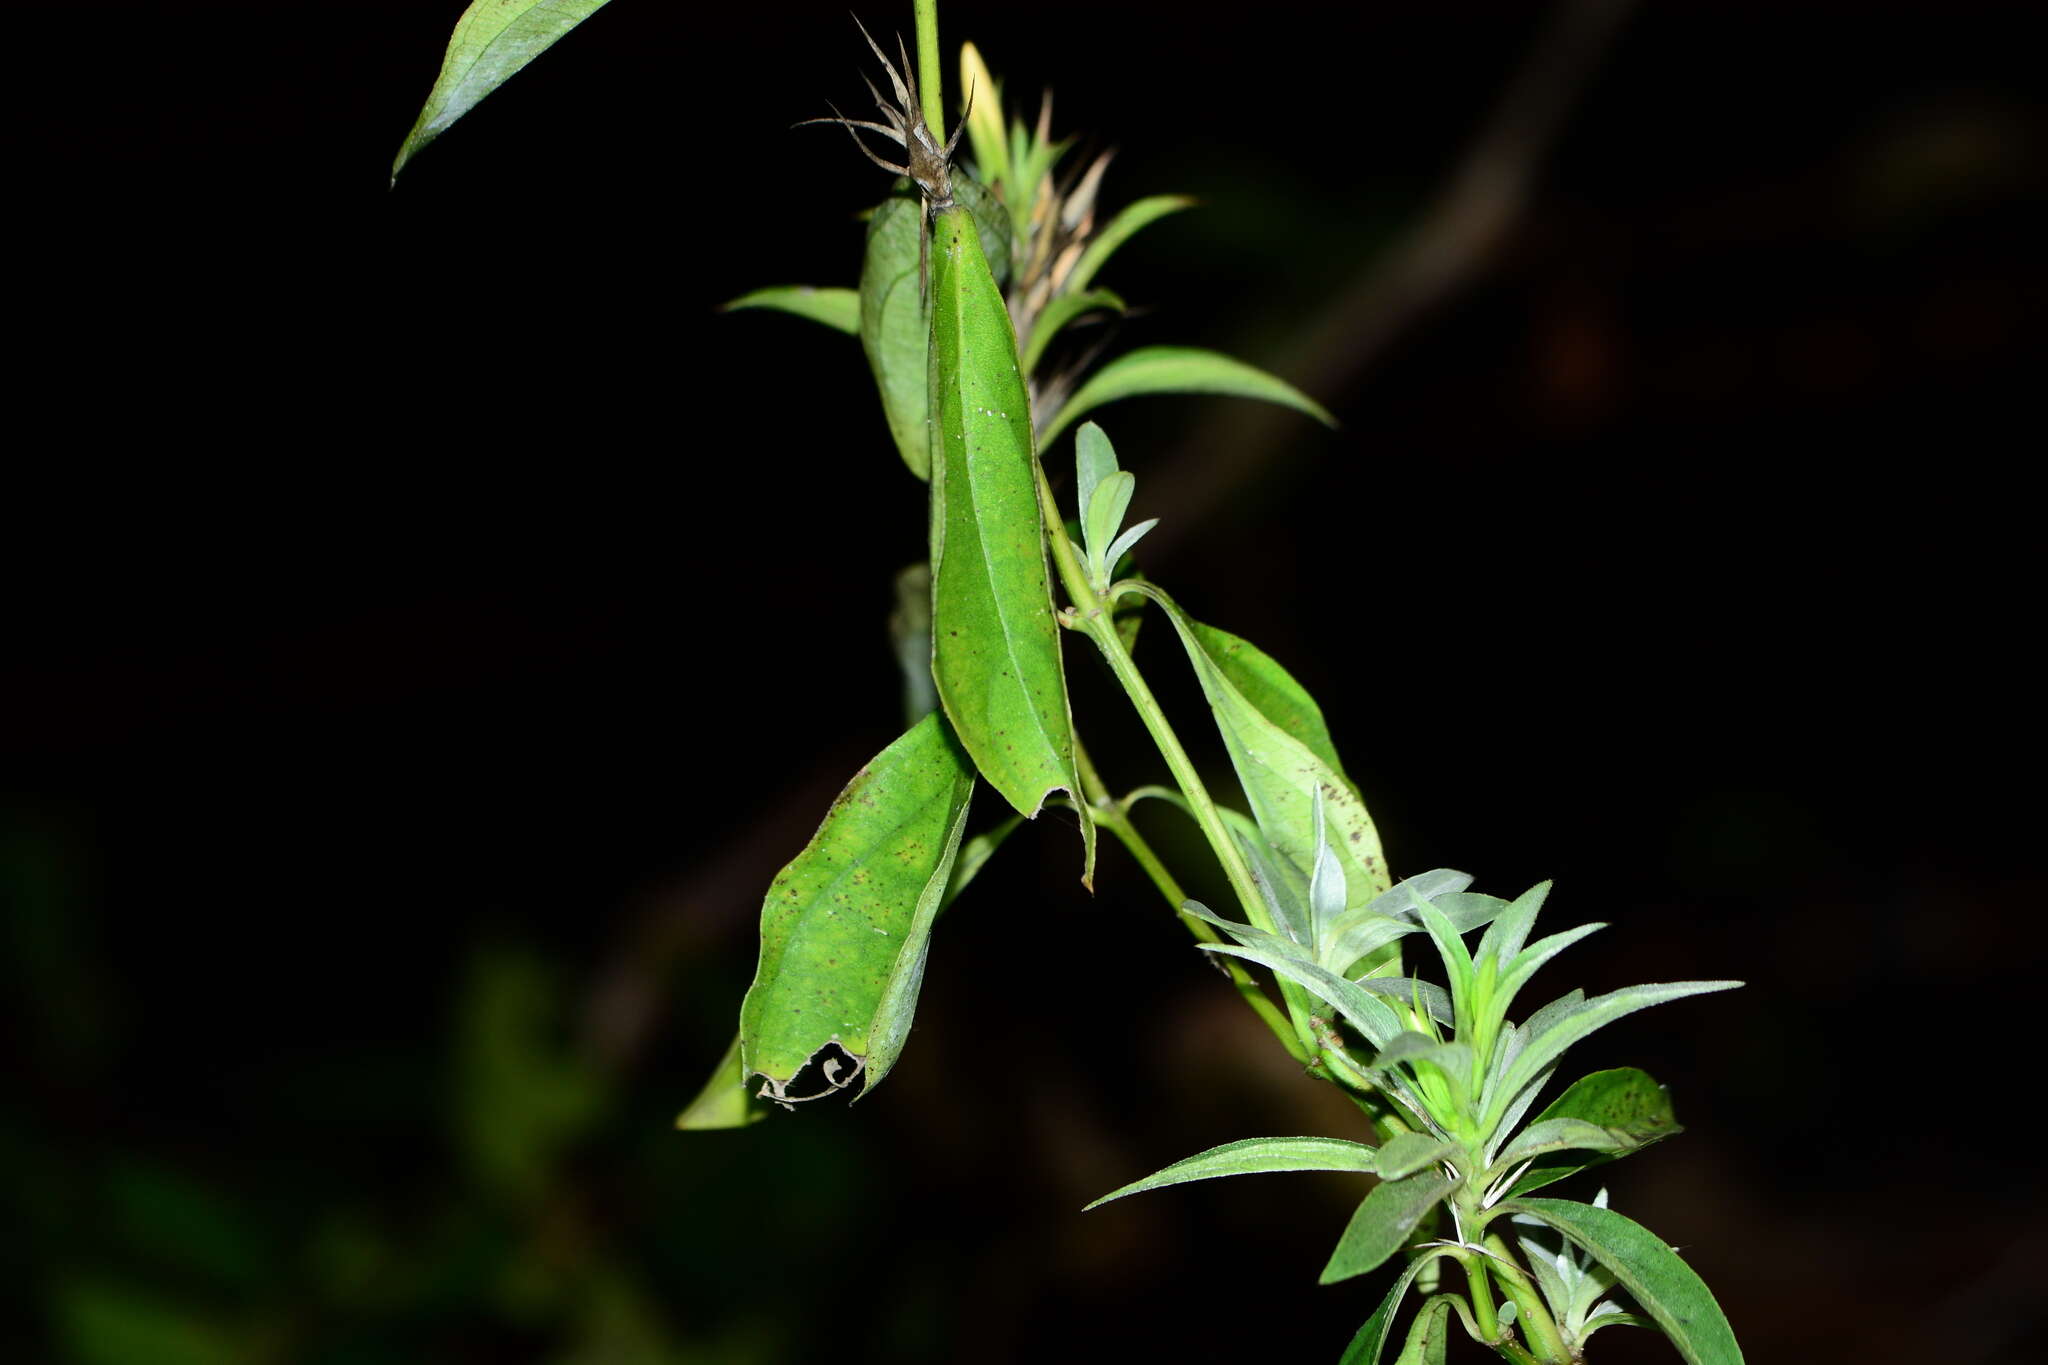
<point>1180,369</point>
<point>838,309</point>
<point>492,42</point>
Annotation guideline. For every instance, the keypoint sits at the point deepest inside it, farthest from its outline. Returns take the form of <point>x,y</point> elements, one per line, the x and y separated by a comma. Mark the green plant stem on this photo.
<point>1093,619</point>
<point>1482,1296</point>
<point>1091,616</point>
<point>1530,1310</point>
<point>1112,815</point>
<point>930,70</point>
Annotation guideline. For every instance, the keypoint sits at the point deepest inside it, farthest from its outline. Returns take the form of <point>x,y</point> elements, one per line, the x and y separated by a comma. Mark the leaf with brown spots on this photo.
<point>845,927</point>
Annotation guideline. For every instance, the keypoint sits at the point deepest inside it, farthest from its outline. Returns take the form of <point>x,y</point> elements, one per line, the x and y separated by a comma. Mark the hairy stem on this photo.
<point>1530,1310</point>
<point>1482,1296</point>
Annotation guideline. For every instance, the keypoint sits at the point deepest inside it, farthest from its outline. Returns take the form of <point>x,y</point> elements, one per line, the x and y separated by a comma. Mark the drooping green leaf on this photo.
<point>1429,1335</point>
<point>1624,1102</point>
<point>1371,1339</point>
<point>1178,369</point>
<point>1257,1156</point>
<point>844,926</point>
<point>996,649</point>
<point>1118,230</point>
<point>1382,1223</point>
<point>724,1101</point>
<point>1276,756</point>
<point>895,324</point>
<point>1055,316</point>
<point>1571,1025</point>
<point>492,40</point>
<point>1666,1288</point>
<point>727,1101</point>
<point>838,309</point>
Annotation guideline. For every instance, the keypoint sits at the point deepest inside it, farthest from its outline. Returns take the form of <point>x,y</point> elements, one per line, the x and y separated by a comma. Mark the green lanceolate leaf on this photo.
<point>995,644</point>
<point>1117,231</point>
<point>1057,314</point>
<point>1383,1222</point>
<point>493,39</point>
<point>838,309</point>
<point>1257,1156</point>
<point>1667,1289</point>
<point>723,1102</point>
<point>1178,369</point>
<point>1570,1025</point>
<point>1280,757</point>
<point>1371,1339</point>
<point>1625,1103</point>
<point>895,327</point>
<point>1429,1335</point>
<point>845,926</point>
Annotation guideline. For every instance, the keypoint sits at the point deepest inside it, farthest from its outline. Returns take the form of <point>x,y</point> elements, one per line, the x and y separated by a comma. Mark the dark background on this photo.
<point>430,625</point>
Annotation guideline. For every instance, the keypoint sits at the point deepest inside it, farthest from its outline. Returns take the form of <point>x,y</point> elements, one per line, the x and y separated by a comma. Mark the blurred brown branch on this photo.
<point>1447,248</point>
